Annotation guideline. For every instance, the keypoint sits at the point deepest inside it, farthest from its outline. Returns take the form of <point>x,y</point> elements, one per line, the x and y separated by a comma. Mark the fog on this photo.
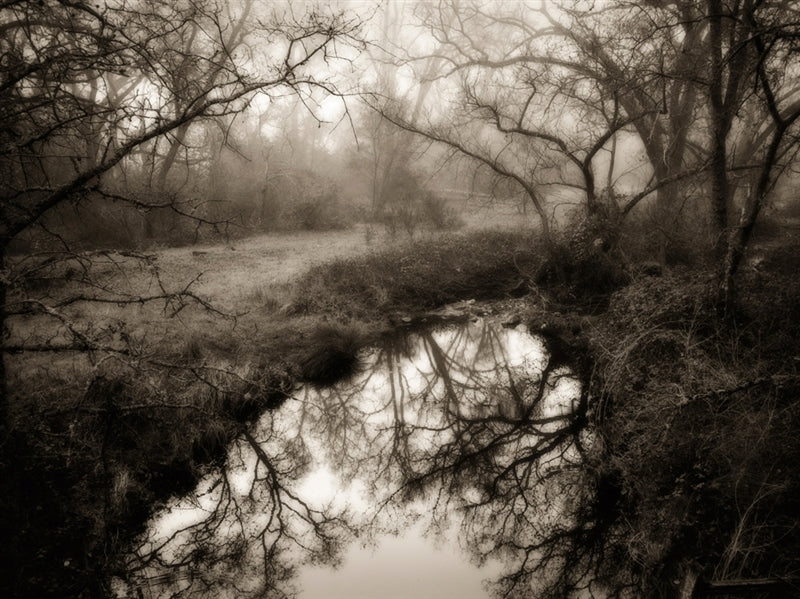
<point>213,212</point>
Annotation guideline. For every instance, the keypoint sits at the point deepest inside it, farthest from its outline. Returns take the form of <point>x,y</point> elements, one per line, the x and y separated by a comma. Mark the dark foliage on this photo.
<point>331,355</point>
<point>404,205</point>
<point>83,474</point>
<point>321,212</point>
<point>583,266</point>
<point>699,427</point>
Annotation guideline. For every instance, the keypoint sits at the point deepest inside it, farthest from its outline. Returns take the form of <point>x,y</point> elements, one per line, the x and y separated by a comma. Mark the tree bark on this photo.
<point>169,160</point>
<point>4,408</point>
<point>740,236</point>
<point>719,130</point>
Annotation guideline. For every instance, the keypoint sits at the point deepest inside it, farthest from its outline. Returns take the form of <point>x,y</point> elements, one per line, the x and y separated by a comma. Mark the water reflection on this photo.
<point>410,566</point>
<point>470,427</point>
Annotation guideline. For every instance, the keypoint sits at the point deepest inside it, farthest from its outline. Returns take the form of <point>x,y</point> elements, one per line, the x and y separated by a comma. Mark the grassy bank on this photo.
<point>419,276</point>
<point>699,415</point>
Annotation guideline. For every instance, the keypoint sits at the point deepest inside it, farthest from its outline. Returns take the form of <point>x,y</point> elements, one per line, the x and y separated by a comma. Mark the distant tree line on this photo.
<point>556,97</point>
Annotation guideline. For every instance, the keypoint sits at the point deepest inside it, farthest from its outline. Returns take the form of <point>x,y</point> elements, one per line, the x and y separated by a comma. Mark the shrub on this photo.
<point>435,214</point>
<point>699,431</point>
<point>331,355</point>
<point>322,212</point>
<point>583,267</point>
<point>420,211</point>
<point>405,204</point>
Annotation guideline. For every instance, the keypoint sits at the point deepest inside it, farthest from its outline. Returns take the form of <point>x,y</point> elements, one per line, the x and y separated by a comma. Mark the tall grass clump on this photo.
<point>419,275</point>
<point>331,355</point>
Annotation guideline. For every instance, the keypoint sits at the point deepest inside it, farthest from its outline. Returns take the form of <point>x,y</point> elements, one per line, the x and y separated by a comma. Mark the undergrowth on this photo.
<point>698,416</point>
<point>420,275</point>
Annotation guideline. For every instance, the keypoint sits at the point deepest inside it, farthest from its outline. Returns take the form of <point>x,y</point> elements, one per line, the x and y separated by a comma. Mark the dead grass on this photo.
<point>253,283</point>
<point>698,418</point>
<point>248,282</point>
<point>419,275</point>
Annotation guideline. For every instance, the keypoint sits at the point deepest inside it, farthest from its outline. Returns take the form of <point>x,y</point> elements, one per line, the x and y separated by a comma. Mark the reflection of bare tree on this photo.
<point>504,453</point>
<point>475,422</point>
<point>245,529</point>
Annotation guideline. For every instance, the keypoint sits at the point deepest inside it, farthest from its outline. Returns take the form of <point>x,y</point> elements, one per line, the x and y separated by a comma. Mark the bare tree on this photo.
<point>754,49</point>
<point>87,94</point>
<point>546,92</point>
<point>62,55</point>
<point>559,89</point>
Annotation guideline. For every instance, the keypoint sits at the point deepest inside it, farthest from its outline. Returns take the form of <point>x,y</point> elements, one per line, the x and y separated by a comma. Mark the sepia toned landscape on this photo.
<point>459,299</point>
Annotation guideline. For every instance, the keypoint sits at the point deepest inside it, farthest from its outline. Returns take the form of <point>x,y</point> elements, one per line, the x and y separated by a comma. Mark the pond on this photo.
<point>451,449</point>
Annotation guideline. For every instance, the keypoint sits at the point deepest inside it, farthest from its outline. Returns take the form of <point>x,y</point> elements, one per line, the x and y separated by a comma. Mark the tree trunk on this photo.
<point>546,234</point>
<point>611,164</point>
<point>666,199</point>
<point>740,236</point>
<point>719,192</point>
<point>176,144</point>
<point>719,131</point>
<point>4,408</point>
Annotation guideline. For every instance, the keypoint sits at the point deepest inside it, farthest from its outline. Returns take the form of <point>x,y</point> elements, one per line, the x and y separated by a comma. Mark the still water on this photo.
<point>439,465</point>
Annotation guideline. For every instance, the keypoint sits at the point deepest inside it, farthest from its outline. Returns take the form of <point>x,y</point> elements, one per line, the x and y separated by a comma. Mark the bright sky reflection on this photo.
<point>406,567</point>
<point>418,382</point>
<point>412,565</point>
